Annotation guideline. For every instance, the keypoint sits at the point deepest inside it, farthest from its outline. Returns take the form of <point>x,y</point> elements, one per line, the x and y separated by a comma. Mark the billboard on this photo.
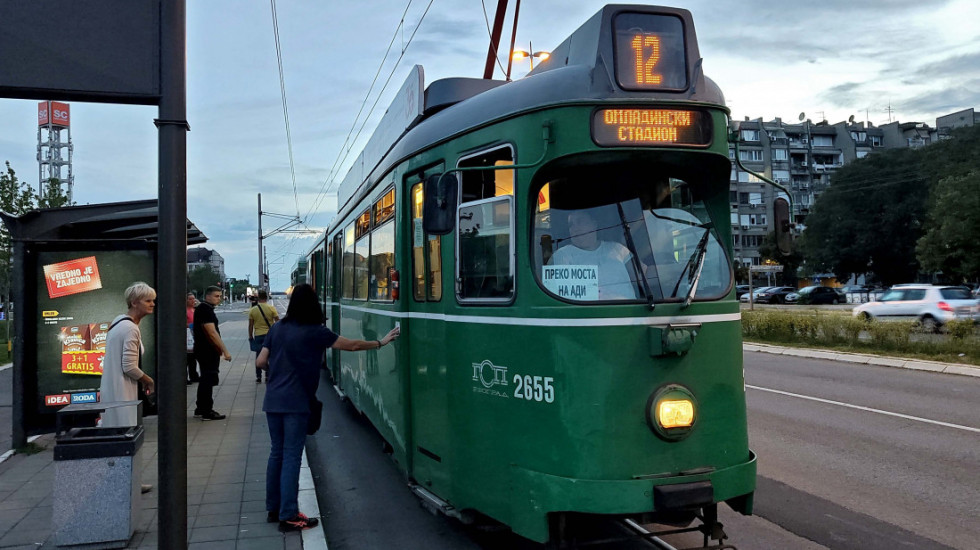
<point>79,295</point>
<point>53,112</point>
<point>43,116</point>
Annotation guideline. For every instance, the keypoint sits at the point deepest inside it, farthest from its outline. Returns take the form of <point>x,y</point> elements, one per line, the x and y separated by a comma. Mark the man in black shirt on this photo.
<point>208,350</point>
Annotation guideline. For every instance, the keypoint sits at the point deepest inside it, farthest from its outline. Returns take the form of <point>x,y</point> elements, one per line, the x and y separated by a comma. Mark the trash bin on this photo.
<point>96,481</point>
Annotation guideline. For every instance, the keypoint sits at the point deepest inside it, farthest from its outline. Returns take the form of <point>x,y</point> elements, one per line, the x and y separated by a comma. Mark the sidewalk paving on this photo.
<point>226,462</point>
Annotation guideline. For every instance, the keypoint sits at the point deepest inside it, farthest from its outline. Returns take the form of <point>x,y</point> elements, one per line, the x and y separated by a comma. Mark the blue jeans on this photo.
<point>288,433</point>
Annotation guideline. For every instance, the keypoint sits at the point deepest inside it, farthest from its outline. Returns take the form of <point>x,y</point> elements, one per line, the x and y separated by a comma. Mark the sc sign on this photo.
<point>53,112</point>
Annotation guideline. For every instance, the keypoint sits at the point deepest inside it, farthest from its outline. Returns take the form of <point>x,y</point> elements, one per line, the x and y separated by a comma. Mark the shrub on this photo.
<point>960,328</point>
<point>840,330</point>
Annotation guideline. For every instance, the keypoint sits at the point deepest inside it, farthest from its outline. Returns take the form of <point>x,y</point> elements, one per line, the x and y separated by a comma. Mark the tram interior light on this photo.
<point>675,413</point>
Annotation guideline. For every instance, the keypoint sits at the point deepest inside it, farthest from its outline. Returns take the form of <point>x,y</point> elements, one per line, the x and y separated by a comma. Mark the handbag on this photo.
<point>316,414</point>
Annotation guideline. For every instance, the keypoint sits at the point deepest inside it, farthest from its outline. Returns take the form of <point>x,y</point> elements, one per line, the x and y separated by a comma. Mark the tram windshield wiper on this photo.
<point>694,267</point>
<point>637,266</point>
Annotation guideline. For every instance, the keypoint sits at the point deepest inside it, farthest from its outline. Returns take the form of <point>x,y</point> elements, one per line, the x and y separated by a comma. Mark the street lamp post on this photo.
<point>520,55</point>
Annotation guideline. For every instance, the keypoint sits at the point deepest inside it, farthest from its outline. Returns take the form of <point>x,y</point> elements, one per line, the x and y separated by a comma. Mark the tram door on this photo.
<point>335,253</point>
<point>430,445</point>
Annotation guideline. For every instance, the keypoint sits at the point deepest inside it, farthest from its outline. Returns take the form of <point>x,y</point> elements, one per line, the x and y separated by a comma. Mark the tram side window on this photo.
<point>362,246</point>
<point>328,273</point>
<point>347,276</point>
<point>382,248</point>
<point>484,184</point>
<point>426,255</point>
<point>485,268</point>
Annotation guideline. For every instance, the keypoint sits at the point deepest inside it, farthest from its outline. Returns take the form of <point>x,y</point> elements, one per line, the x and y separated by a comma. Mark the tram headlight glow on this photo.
<point>672,412</point>
<point>675,413</point>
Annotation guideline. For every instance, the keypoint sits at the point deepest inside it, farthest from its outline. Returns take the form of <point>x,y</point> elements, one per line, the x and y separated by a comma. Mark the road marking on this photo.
<point>869,409</point>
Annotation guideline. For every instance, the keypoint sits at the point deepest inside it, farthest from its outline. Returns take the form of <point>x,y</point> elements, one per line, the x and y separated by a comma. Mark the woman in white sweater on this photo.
<point>123,352</point>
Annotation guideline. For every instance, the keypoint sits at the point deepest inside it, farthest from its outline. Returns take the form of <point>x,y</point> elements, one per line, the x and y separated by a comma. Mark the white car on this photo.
<point>931,305</point>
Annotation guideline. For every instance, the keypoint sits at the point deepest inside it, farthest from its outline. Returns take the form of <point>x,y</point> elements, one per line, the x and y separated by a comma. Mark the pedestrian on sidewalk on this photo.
<point>292,352</point>
<point>261,317</point>
<point>208,350</point>
<point>122,364</point>
<point>192,375</point>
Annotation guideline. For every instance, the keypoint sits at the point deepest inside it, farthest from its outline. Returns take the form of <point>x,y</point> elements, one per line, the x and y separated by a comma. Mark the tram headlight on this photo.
<point>675,413</point>
<point>672,412</point>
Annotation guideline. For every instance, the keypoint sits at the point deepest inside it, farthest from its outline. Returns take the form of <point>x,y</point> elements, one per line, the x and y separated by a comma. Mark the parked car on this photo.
<point>775,295</point>
<point>755,294</point>
<point>740,290</point>
<point>856,288</point>
<point>817,294</point>
<point>932,306</point>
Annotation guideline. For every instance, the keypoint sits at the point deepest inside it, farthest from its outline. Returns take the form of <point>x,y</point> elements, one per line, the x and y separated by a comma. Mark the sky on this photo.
<point>830,60</point>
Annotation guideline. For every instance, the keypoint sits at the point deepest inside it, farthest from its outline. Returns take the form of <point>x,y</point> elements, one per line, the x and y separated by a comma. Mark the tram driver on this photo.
<point>612,261</point>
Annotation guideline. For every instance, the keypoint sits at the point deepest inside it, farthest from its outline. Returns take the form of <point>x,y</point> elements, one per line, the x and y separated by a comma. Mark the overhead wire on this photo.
<point>322,193</point>
<point>285,109</point>
<point>338,161</point>
<point>378,98</point>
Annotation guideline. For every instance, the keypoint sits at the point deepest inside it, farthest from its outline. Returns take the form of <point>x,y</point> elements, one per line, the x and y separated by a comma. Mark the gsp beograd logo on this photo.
<point>489,376</point>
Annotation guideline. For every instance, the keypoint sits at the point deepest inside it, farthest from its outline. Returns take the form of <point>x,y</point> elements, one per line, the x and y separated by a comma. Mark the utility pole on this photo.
<point>260,243</point>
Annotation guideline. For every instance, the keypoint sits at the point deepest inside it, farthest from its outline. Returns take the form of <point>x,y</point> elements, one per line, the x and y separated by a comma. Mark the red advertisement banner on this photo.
<point>82,362</point>
<point>59,114</point>
<point>72,277</point>
<point>43,116</point>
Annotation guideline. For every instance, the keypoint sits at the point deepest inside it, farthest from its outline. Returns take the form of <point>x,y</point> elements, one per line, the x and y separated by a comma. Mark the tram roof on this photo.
<point>580,69</point>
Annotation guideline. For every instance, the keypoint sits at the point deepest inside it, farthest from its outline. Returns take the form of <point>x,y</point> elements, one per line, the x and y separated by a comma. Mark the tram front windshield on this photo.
<point>635,239</point>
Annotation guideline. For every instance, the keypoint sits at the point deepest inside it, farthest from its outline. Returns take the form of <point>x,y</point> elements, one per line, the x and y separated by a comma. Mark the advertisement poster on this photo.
<point>79,295</point>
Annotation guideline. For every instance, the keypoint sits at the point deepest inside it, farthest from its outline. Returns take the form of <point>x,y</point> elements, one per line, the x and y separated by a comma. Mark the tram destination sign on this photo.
<point>651,127</point>
<point>650,52</point>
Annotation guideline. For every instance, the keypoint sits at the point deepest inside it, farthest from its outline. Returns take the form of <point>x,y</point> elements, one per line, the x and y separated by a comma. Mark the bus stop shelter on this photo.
<point>70,268</point>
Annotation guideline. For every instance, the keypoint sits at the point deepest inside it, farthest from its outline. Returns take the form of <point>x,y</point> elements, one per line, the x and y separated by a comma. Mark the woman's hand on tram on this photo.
<point>392,335</point>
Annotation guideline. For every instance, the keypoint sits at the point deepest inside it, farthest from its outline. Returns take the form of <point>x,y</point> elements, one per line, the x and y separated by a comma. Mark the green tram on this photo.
<point>557,252</point>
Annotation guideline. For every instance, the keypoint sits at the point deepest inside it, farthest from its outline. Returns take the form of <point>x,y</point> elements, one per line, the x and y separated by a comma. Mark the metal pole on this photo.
<point>513,37</point>
<point>259,285</point>
<point>498,24</point>
<point>171,278</point>
<point>19,398</point>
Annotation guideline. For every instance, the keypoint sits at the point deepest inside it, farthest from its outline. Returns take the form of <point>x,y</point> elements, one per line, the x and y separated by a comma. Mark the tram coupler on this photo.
<point>710,526</point>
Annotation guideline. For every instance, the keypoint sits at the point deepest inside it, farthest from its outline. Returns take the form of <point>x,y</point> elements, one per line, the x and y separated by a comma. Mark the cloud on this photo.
<point>943,100</point>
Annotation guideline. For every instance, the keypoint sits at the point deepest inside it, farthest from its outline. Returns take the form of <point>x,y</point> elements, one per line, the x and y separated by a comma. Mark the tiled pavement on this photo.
<point>225,475</point>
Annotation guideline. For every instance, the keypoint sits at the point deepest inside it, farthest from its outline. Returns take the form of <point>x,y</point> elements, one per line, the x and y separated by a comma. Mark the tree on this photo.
<point>54,195</point>
<point>17,198</point>
<point>951,242</point>
<point>741,272</point>
<point>200,278</point>
<point>870,218</point>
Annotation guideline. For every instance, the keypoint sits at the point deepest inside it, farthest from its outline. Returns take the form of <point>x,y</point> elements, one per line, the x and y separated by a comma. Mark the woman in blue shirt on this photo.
<point>292,351</point>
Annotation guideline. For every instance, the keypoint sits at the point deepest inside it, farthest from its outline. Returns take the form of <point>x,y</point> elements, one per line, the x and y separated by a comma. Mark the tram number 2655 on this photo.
<point>534,388</point>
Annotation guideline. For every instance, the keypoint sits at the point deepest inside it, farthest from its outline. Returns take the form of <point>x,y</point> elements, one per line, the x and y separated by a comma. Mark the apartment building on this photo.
<point>802,157</point>
<point>200,256</point>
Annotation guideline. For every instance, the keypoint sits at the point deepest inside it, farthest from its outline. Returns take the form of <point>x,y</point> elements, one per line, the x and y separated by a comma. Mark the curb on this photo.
<point>862,359</point>
<point>313,539</point>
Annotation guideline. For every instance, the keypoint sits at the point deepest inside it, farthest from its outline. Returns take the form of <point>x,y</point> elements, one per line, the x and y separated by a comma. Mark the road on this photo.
<point>850,457</point>
<point>899,472</point>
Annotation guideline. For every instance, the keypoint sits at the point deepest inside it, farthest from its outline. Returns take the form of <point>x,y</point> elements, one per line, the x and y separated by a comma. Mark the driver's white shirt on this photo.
<point>611,259</point>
